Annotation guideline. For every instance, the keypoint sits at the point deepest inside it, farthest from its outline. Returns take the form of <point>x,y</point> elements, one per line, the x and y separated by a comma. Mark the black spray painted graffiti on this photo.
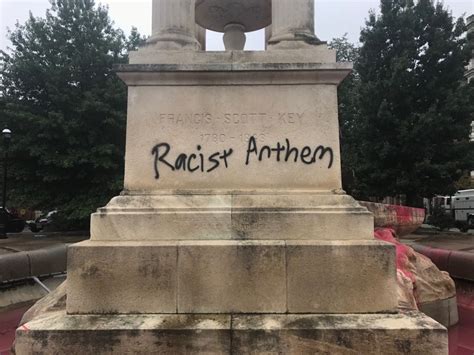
<point>285,153</point>
<point>192,162</point>
<point>281,152</point>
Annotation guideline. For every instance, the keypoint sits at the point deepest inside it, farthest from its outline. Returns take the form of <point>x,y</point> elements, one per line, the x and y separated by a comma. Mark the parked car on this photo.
<point>14,223</point>
<point>41,222</point>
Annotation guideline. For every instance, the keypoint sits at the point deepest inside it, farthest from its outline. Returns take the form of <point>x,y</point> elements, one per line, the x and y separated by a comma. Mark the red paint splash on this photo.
<point>402,251</point>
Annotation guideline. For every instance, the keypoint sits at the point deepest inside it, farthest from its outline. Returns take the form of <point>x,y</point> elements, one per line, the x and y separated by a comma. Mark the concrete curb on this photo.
<point>27,293</point>
<point>459,264</point>
<point>26,264</point>
<point>443,311</point>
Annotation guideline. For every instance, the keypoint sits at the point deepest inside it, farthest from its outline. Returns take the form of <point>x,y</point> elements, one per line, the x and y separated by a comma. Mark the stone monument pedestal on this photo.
<point>200,267</point>
<point>232,234</point>
<point>58,333</point>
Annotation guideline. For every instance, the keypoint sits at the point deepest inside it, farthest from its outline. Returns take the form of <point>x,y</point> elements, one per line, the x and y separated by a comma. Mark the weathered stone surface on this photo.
<point>233,60</point>
<point>292,24</point>
<point>134,277</point>
<point>406,296</point>
<point>443,311</point>
<point>404,220</point>
<point>232,277</point>
<point>54,301</point>
<point>216,14</point>
<point>421,282</point>
<point>173,25</point>
<point>308,216</point>
<point>201,36</point>
<point>58,333</point>
<point>411,333</point>
<point>431,283</point>
<point>227,130</point>
<point>341,277</point>
<point>228,276</point>
<point>163,218</point>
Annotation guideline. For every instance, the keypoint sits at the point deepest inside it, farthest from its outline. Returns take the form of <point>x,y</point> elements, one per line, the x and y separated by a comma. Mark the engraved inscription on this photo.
<point>186,118</point>
<point>233,118</point>
<point>222,137</point>
<point>290,118</point>
<point>247,133</point>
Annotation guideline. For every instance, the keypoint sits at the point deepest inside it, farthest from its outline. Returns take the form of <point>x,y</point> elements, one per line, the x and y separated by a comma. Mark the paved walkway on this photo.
<point>450,251</point>
<point>442,240</point>
<point>454,252</point>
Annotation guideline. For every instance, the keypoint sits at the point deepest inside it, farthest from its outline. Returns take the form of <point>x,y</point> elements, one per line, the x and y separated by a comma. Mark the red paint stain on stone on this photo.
<point>8,323</point>
<point>402,251</point>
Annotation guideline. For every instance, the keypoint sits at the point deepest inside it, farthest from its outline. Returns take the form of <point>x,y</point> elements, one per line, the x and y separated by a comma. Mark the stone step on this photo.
<point>231,277</point>
<point>295,215</point>
<point>58,333</point>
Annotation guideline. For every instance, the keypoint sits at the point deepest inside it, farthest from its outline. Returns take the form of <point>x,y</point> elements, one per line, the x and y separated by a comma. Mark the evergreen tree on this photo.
<point>66,107</point>
<point>348,111</point>
<point>415,106</point>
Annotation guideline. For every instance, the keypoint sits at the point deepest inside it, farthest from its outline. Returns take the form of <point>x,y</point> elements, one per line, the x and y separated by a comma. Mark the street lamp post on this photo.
<point>7,135</point>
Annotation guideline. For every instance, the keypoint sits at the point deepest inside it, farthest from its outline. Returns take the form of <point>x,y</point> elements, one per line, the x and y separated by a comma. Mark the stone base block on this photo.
<point>231,277</point>
<point>58,333</point>
<point>146,55</point>
<point>444,311</point>
<point>244,217</point>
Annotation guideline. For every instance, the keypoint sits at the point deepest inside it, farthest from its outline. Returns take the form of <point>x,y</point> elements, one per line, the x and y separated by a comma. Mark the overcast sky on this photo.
<point>333,17</point>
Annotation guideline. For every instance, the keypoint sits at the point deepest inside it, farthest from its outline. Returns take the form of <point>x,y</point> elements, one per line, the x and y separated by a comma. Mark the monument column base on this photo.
<point>295,216</point>
<point>58,333</point>
<point>231,277</point>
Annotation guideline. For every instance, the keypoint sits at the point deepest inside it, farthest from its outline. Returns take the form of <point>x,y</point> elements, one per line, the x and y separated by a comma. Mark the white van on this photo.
<point>441,201</point>
<point>462,205</point>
